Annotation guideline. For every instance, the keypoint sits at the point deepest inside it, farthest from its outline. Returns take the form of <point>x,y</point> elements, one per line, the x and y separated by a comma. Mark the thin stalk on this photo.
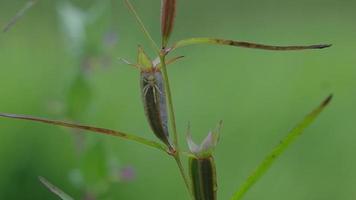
<point>172,120</point>
<point>170,102</point>
<point>142,26</point>
<point>176,153</point>
<point>19,14</point>
<point>184,176</point>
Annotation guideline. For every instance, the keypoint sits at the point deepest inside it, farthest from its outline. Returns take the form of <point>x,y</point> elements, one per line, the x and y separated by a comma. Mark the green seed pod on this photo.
<point>203,175</point>
<point>202,166</point>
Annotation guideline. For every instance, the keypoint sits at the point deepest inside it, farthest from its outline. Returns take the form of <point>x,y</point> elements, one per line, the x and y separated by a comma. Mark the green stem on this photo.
<point>172,120</point>
<point>278,150</point>
<point>169,101</point>
<point>184,176</point>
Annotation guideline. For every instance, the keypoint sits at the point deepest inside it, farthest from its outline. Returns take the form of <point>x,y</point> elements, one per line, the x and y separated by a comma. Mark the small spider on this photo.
<point>151,83</point>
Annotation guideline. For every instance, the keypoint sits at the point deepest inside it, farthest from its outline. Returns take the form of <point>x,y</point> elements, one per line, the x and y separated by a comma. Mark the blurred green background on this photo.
<point>61,61</point>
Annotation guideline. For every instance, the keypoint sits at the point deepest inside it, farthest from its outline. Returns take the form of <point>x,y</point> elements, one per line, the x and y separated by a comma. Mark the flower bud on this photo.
<point>168,12</point>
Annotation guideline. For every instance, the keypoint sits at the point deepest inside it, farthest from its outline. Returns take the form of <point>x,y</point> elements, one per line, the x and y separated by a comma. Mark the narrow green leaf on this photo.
<point>195,41</point>
<point>168,12</point>
<point>19,14</point>
<point>55,190</point>
<point>279,149</point>
<point>88,128</point>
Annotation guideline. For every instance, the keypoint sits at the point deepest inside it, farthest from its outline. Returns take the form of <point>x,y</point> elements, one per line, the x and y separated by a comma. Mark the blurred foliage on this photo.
<point>260,96</point>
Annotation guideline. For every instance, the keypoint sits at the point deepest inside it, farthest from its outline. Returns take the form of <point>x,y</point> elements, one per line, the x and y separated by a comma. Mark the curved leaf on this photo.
<point>279,149</point>
<point>88,128</point>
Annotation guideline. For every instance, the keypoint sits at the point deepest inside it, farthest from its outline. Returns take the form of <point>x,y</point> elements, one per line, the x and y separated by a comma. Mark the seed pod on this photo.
<point>153,97</point>
<point>203,175</point>
<point>154,102</point>
<point>202,166</point>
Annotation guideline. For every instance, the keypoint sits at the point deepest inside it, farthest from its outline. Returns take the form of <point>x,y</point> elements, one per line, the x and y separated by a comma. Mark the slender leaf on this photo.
<point>279,149</point>
<point>88,128</point>
<point>215,41</point>
<point>55,190</point>
<point>19,14</point>
<point>168,12</point>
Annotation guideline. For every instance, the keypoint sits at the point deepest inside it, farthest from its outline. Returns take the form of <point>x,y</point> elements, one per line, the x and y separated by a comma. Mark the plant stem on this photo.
<point>172,120</point>
<point>184,176</point>
<point>170,102</point>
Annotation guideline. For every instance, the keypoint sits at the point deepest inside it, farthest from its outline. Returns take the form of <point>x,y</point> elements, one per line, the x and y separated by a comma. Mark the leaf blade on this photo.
<point>279,149</point>
<point>55,190</point>
<point>235,43</point>
<point>87,128</point>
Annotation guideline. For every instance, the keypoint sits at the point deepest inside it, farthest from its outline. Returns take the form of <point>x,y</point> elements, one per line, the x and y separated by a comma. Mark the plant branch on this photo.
<point>89,128</point>
<point>279,149</point>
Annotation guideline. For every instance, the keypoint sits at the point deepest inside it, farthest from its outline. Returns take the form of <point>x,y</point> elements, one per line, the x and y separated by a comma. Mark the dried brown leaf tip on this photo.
<point>168,12</point>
